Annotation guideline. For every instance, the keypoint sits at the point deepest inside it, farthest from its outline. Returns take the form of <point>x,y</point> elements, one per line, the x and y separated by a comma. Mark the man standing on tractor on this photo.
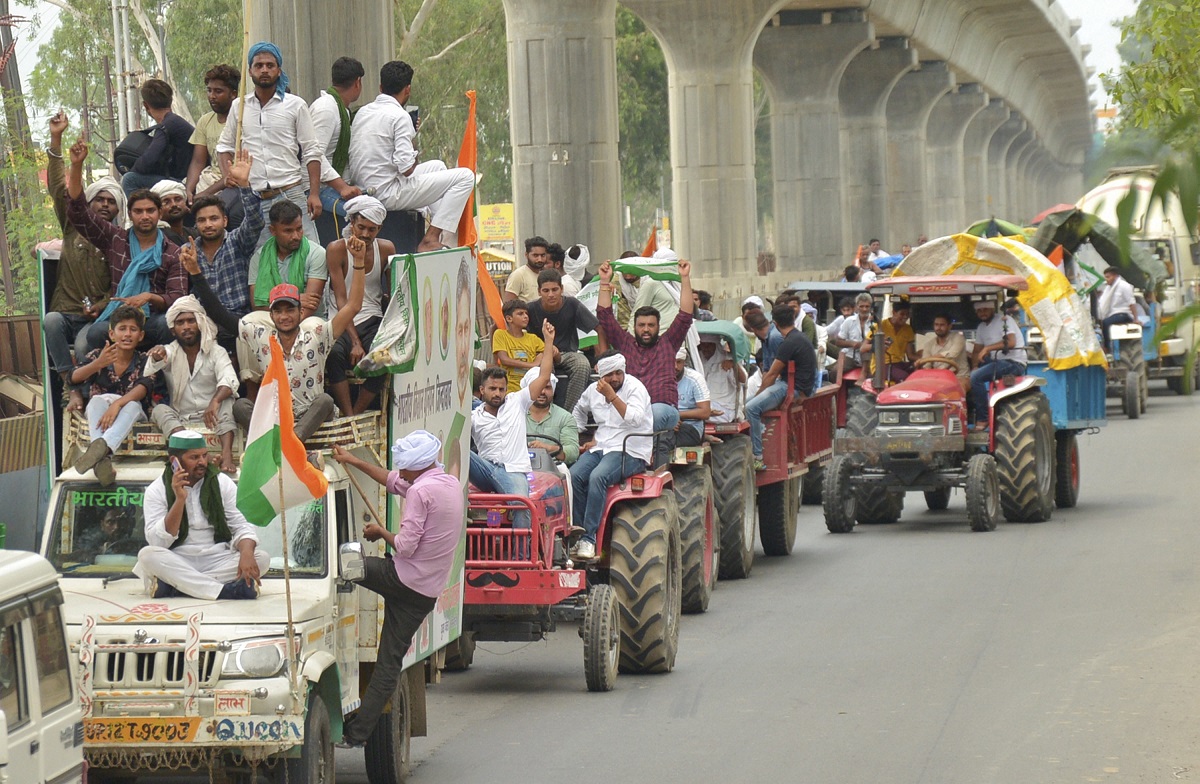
<point>620,406</point>
<point>795,348</point>
<point>999,351</point>
<point>650,356</point>
<point>500,462</point>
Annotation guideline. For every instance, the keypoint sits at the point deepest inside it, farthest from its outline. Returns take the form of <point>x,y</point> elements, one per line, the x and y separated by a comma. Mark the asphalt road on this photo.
<point>919,652</point>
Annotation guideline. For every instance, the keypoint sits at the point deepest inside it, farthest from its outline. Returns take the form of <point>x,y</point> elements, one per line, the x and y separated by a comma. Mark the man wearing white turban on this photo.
<point>174,206</point>
<point>365,214</point>
<point>620,406</point>
<point>200,379</point>
<point>83,279</point>
<point>411,579</point>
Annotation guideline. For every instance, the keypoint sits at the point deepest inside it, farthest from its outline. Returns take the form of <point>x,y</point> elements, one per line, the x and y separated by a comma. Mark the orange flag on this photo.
<point>468,237</point>
<point>1056,255</point>
<point>651,244</point>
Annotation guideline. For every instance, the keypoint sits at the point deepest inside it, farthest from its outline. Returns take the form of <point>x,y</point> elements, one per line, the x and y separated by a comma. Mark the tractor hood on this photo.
<point>924,386</point>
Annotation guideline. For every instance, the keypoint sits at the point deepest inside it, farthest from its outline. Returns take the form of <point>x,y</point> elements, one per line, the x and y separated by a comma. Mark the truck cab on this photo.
<point>41,724</point>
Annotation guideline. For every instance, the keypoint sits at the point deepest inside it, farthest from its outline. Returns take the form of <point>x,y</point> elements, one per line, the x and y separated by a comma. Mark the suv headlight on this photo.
<point>889,417</point>
<point>255,659</point>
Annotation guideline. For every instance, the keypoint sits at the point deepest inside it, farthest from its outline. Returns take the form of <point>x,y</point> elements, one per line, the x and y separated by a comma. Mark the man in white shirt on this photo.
<point>724,378</point>
<point>331,123</point>
<point>874,252</point>
<point>943,342</point>
<point>383,161</point>
<point>855,332</point>
<point>198,543</point>
<point>999,351</point>
<point>201,382</point>
<point>620,405</point>
<point>276,124</point>
<point>1116,304</point>
<point>500,459</point>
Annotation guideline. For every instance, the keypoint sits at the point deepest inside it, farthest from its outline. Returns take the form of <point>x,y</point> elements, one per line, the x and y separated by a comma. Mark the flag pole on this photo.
<point>287,590</point>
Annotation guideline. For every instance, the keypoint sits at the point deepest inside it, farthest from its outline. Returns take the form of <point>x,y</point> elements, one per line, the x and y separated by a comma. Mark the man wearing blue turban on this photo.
<point>274,124</point>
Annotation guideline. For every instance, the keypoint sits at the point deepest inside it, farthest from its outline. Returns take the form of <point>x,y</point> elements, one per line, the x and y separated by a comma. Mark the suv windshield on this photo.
<point>98,532</point>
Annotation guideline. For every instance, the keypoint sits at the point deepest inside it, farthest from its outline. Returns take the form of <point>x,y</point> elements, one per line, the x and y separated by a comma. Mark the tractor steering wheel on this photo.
<point>923,361</point>
<point>551,439</point>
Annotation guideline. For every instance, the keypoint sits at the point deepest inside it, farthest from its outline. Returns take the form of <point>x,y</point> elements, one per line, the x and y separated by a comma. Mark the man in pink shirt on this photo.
<point>413,577</point>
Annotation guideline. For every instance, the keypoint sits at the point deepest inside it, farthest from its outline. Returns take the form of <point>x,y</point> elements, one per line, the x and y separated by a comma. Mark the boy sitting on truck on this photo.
<point>120,391</point>
<point>198,543</point>
<point>515,349</point>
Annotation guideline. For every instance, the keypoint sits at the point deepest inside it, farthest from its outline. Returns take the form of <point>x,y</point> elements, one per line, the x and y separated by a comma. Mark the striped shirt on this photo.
<point>227,271</point>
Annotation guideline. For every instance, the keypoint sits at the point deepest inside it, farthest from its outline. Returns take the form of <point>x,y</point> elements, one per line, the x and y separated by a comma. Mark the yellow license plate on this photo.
<point>139,730</point>
<point>900,446</point>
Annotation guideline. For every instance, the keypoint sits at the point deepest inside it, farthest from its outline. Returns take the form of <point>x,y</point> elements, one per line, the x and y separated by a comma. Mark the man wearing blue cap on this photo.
<point>274,125</point>
<point>411,580</point>
<point>198,543</point>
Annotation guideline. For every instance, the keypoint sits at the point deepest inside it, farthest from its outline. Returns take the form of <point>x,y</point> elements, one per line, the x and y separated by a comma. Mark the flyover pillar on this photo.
<point>862,98</point>
<point>1002,141</point>
<point>909,106</point>
<point>562,80</point>
<point>1014,201</point>
<point>707,45</point>
<point>802,65</point>
<point>945,158</point>
<point>975,154</point>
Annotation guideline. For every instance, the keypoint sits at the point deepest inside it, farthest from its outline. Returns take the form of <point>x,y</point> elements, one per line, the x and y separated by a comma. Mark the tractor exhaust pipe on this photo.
<point>880,352</point>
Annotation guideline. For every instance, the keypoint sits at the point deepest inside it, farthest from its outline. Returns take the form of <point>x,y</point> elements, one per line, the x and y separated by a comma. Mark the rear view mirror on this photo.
<point>351,565</point>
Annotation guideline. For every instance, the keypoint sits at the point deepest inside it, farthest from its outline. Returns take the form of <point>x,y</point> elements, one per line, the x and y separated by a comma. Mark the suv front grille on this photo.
<point>164,669</point>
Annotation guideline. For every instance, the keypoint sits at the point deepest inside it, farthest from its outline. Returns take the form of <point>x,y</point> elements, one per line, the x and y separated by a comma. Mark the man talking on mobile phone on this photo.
<point>198,543</point>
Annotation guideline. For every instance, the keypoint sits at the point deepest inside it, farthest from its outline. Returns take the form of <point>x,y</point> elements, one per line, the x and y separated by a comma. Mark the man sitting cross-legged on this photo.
<point>500,460</point>
<point>198,543</point>
<point>620,405</point>
<point>199,377</point>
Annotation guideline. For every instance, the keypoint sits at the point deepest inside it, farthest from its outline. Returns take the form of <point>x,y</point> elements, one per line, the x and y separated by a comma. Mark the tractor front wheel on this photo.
<point>983,493</point>
<point>733,478</point>
<point>697,519</point>
<point>837,497</point>
<point>601,638</point>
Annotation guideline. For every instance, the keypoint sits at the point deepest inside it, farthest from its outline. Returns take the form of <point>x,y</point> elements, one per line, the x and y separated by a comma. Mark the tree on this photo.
<point>644,123</point>
<point>1160,79</point>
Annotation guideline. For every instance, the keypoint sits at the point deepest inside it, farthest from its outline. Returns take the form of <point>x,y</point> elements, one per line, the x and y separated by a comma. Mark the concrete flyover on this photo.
<point>890,118</point>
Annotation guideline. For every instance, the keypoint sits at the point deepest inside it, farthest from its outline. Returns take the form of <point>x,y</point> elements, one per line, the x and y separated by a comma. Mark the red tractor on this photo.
<point>520,582</point>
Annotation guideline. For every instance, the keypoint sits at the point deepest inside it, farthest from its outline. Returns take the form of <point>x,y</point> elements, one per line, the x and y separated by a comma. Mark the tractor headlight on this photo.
<point>255,659</point>
<point>889,417</point>
<point>920,417</point>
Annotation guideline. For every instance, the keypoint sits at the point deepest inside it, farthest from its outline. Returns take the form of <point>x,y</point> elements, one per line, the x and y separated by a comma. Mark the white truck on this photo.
<point>1163,231</point>
<point>172,684</point>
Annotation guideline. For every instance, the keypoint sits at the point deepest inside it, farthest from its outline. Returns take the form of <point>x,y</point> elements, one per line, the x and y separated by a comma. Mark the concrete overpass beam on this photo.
<point>975,155</point>
<point>909,106</point>
<point>945,159</point>
<point>862,97</point>
<point>1014,202</point>
<point>802,65</point>
<point>997,166</point>
<point>562,80</point>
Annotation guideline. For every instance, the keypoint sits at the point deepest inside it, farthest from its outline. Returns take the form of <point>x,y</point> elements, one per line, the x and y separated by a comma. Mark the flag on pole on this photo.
<point>468,235</point>
<point>272,450</point>
<point>651,243</point>
<point>655,269</point>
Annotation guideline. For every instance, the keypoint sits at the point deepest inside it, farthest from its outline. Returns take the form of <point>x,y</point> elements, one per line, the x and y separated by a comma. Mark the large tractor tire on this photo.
<point>733,479</point>
<point>811,484</point>
<point>861,416</point>
<point>1066,469</point>
<point>1132,403</point>
<point>460,653</point>
<point>778,508</point>
<point>837,496</point>
<point>1025,458</point>
<point>388,751</point>
<point>983,493</point>
<point>938,500</point>
<point>875,505</point>
<point>601,638</point>
<point>645,569</point>
<point>697,532</point>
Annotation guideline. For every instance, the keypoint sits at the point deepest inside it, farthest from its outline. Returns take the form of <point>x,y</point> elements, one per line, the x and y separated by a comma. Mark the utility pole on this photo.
<point>10,80</point>
<point>112,116</point>
<point>122,119</point>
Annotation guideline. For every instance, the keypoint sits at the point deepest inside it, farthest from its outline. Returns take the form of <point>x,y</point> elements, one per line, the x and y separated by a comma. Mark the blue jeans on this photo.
<point>131,414</point>
<point>492,478</point>
<point>984,375</point>
<point>766,400</point>
<point>132,181</point>
<point>64,330</point>
<point>591,476</point>
<point>1116,318</point>
<point>298,196</point>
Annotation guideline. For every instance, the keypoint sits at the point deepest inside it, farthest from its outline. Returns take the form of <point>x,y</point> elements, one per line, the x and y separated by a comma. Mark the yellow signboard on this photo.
<point>496,223</point>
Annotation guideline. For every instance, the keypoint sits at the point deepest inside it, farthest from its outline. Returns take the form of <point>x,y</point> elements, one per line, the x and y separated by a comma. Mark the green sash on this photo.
<point>341,153</point>
<point>268,271</point>
<point>210,502</point>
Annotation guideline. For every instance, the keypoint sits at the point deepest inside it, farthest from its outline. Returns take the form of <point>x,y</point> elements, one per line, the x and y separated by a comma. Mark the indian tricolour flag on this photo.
<point>274,451</point>
<point>656,269</point>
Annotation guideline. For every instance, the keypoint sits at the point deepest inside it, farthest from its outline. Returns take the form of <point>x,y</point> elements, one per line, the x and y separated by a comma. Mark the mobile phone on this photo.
<point>415,113</point>
<point>176,466</point>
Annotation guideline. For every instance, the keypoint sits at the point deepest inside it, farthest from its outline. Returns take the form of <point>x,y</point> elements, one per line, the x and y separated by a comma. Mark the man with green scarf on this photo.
<point>331,117</point>
<point>288,257</point>
<point>198,543</point>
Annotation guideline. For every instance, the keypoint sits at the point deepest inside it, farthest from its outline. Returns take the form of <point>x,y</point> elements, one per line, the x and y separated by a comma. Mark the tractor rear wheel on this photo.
<point>601,638</point>
<point>733,478</point>
<point>1025,458</point>
<point>389,749</point>
<point>937,500</point>
<point>645,571</point>
<point>983,493</point>
<point>697,520</point>
<point>1066,465</point>
<point>460,653</point>
<point>811,484</point>
<point>837,496</point>
<point>778,507</point>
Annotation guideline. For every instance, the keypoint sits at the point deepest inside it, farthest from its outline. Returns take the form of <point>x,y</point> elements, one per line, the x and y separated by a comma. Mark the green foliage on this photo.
<point>215,23</point>
<point>32,222</point>
<point>645,139</point>
<point>1160,78</point>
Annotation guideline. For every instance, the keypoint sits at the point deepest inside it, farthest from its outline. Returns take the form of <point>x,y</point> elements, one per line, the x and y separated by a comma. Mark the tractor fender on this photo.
<point>655,485</point>
<point>1125,332</point>
<point>1024,385</point>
